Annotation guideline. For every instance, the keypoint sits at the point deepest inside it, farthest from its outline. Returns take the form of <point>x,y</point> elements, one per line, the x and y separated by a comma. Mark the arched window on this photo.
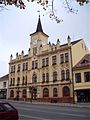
<point>55,93</point>
<point>55,76</point>
<point>24,93</point>
<point>66,91</point>
<point>62,75</point>
<point>11,93</point>
<point>34,78</point>
<point>45,92</point>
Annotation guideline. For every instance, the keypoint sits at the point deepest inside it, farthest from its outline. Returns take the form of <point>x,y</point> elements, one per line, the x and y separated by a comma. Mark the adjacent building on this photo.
<point>4,86</point>
<point>82,79</point>
<point>45,72</point>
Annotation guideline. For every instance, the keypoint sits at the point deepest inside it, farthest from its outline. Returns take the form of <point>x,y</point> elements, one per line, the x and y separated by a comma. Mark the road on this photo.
<point>32,111</point>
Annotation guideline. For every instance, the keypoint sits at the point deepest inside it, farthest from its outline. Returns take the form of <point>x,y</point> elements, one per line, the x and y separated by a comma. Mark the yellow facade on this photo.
<point>82,79</point>
<point>45,73</point>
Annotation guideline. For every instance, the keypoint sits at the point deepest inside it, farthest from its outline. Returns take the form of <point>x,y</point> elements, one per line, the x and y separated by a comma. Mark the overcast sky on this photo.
<point>16,26</point>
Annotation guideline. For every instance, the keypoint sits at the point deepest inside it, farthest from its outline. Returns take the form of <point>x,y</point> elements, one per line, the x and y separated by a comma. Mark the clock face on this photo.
<point>43,42</point>
<point>34,42</point>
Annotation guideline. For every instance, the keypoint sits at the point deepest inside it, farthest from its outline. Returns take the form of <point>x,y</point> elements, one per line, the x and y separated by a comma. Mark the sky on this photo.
<point>16,26</point>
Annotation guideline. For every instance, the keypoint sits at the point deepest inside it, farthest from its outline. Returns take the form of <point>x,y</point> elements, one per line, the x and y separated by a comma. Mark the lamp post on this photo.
<point>31,92</point>
<point>18,91</point>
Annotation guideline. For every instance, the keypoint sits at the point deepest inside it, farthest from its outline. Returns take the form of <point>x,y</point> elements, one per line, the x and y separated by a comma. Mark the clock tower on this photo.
<point>38,38</point>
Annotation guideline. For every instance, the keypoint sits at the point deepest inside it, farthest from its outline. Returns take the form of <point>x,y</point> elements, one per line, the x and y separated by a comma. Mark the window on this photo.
<point>11,93</point>
<point>47,61</point>
<point>54,60</point>
<point>12,69</point>
<point>4,84</point>
<point>23,81</point>
<point>26,65</point>
<point>62,75</point>
<point>67,74</point>
<point>36,64</point>
<point>23,66</point>
<point>87,76</point>
<point>62,58</point>
<point>18,81</point>
<point>66,91</point>
<point>8,106</point>
<point>66,57</point>
<point>26,80</point>
<point>43,77</point>
<point>34,78</point>
<point>11,81</point>
<point>47,77</point>
<point>78,77</point>
<point>32,64</point>
<point>24,93</point>
<point>43,62</point>
<point>85,61</point>
<point>55,94</point>
<point>55,76</point>
<point>18,70</point>
<point>45,92</point>
<point>34,50</point>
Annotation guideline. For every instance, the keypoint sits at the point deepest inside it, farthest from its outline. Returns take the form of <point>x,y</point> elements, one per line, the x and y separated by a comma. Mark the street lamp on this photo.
<point>18,91</point>
<point>31,91</point>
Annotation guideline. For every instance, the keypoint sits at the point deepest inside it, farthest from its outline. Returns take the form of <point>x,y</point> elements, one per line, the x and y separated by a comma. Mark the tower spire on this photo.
<point>39,26</point>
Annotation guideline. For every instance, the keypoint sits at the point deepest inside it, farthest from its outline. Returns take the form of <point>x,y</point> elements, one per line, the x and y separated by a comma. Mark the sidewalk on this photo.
<point>84,105</point>
<point>81,105</point>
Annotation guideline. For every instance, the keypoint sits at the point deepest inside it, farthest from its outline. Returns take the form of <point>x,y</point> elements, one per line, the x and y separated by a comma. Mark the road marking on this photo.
<point>38,118</point>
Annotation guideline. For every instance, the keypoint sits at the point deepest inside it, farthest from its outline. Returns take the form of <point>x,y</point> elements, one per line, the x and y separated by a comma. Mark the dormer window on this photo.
<point>84,61</point>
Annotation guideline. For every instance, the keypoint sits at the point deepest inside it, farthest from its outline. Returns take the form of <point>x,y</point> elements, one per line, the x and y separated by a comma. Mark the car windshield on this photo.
<point>9,107</point>
<point>1,109</point>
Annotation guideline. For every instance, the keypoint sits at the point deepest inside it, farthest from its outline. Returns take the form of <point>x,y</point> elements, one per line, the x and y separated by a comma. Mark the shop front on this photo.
<point>83,95</point>
<point>3,93</point>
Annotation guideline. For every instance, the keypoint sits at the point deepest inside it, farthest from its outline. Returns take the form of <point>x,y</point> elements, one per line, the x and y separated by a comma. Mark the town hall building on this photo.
<point>45,73</point>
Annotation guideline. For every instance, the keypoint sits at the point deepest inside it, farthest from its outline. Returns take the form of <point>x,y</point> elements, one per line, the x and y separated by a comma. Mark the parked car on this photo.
<point>8,112</point>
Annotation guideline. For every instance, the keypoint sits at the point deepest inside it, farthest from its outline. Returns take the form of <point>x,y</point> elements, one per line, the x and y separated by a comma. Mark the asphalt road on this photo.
<point>31,111</point>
